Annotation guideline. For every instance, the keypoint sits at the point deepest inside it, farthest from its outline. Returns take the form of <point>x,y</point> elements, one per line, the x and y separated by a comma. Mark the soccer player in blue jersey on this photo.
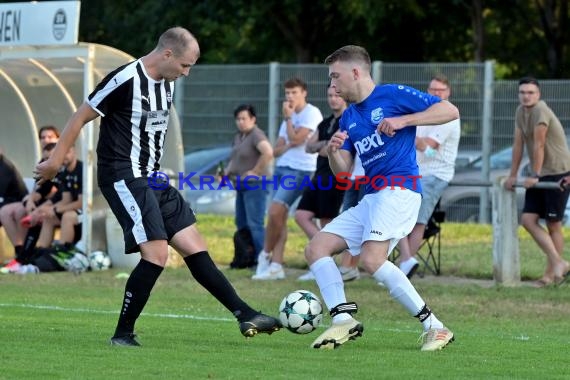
<point>380,127</point>
<point>134,105</point>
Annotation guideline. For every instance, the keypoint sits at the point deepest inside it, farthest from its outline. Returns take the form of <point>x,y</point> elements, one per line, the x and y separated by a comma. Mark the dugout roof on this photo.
<point>43,85</point>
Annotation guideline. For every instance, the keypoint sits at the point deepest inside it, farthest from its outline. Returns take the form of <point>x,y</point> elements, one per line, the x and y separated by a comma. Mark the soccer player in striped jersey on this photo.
<point>134,105</point>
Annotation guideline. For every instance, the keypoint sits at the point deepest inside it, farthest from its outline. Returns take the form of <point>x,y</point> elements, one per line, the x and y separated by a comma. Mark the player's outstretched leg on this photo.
<point>212,279</point>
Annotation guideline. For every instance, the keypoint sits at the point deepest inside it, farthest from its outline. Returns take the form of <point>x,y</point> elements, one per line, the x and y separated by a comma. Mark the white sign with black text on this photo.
<point>39,23</point>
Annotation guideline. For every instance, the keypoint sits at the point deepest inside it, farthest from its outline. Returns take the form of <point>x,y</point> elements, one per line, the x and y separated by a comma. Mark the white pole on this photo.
<point>88,156</point>
<point>274,107</point>
<point>487,128</point>
<point>506,258</point>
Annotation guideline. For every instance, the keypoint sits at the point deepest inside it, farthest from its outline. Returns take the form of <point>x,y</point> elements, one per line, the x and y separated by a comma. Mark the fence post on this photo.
<point>273,107</point>
<point>506,258</point>
<point>486,136</point>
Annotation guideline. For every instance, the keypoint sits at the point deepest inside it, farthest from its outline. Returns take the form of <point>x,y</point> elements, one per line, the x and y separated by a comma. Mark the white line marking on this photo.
<point>93,311</point>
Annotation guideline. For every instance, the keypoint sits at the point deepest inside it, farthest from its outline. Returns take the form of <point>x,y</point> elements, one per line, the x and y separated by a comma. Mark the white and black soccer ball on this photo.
<point>301,312</point>
<point>78,263</point>
<point>99,260</point>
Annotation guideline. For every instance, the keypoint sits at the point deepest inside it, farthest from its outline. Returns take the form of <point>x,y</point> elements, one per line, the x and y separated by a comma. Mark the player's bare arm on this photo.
<point>438,113</point>
<point>340,160</point>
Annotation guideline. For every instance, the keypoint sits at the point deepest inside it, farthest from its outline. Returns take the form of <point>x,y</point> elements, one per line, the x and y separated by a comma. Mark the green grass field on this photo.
<point>57,325</point>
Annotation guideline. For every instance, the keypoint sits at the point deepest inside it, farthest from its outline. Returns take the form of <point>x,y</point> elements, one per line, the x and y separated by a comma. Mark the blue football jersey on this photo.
<point>390,162</point>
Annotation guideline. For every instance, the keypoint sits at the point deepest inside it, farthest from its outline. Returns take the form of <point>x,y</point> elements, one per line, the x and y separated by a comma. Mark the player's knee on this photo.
<point>69,217</point>
<point>158,258</point>
<point>309,254</point>
<point>314,251</point>
<point>275,210</point>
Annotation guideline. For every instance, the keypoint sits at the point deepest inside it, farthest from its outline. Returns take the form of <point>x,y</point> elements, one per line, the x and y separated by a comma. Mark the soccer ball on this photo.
<point>301,312</point>
<point>99,260</point>
<point>78,263</point>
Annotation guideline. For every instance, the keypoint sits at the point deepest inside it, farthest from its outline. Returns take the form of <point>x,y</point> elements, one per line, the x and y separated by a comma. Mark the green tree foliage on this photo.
<point>523,36</point>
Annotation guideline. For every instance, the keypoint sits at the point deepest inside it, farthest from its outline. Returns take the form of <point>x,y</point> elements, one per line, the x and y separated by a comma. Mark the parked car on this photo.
<point>206,200</point>
<point>461,203</point>
<point>203,199</point>
<point>465,158</point>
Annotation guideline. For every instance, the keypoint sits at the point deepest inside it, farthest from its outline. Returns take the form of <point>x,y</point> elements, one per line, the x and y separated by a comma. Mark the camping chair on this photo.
<point>429,253</point>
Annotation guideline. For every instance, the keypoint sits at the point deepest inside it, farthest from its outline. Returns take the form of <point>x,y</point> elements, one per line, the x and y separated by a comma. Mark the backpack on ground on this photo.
<point>244,251</point>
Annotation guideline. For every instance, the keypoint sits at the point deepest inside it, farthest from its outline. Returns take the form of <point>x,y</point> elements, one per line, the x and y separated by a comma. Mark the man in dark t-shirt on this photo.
<point>323,199</point>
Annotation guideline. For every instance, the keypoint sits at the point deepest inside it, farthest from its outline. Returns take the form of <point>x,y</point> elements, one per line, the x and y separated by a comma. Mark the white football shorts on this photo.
<point>384,215</point>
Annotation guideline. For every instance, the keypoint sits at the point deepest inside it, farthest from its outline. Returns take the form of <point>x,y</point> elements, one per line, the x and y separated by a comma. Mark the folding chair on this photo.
<point>429,253</point>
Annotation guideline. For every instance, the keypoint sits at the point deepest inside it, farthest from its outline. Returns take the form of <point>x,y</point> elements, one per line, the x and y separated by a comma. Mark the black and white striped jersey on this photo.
<point>134,111</point>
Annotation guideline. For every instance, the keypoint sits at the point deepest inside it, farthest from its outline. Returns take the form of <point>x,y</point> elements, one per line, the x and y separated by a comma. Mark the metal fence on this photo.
<point>206,99</point>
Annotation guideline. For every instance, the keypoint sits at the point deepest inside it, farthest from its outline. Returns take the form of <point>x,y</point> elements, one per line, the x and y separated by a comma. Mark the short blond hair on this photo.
<point>350,53</point>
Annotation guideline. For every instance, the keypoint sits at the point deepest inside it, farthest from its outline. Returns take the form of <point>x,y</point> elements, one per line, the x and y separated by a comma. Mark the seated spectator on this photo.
<point>48,134</point>
<point>61,211</point>
<point>21,236</point>
<point>12,186</point>
<point>24,235</point>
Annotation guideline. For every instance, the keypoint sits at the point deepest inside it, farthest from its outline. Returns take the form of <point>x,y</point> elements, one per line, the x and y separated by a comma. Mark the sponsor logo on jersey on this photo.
<point>376,115</point>
<point>369,142</point>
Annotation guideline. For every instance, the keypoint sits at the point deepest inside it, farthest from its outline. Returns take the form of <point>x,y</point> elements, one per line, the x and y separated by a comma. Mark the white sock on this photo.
<point>330,284</point>
<point>402,290</point>
<point>406,266</point>
<point>432,322</point>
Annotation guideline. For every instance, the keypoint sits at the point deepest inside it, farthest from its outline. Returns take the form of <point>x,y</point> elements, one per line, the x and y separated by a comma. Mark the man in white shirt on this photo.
<point>293,165</point>
<point>436,149</point>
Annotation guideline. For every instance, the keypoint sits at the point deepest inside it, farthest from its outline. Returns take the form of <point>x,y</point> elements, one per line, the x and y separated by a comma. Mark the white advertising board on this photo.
<point>39,23</point>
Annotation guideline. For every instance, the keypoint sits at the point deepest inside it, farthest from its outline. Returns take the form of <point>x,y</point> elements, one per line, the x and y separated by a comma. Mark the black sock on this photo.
<point>137,291</point>
<point>205,272</point>
<point>18,256</point>
<point>30,241</point>
<point>423,314</point>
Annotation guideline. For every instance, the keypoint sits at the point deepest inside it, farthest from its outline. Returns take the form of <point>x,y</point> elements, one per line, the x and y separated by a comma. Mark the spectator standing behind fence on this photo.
<point>321,202</point>
<point>379,126</point>
<point>134,103</point>
<point>436,149</point>
<point>539,131</point>
<point>251,156</point>
<point>293,165</point>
